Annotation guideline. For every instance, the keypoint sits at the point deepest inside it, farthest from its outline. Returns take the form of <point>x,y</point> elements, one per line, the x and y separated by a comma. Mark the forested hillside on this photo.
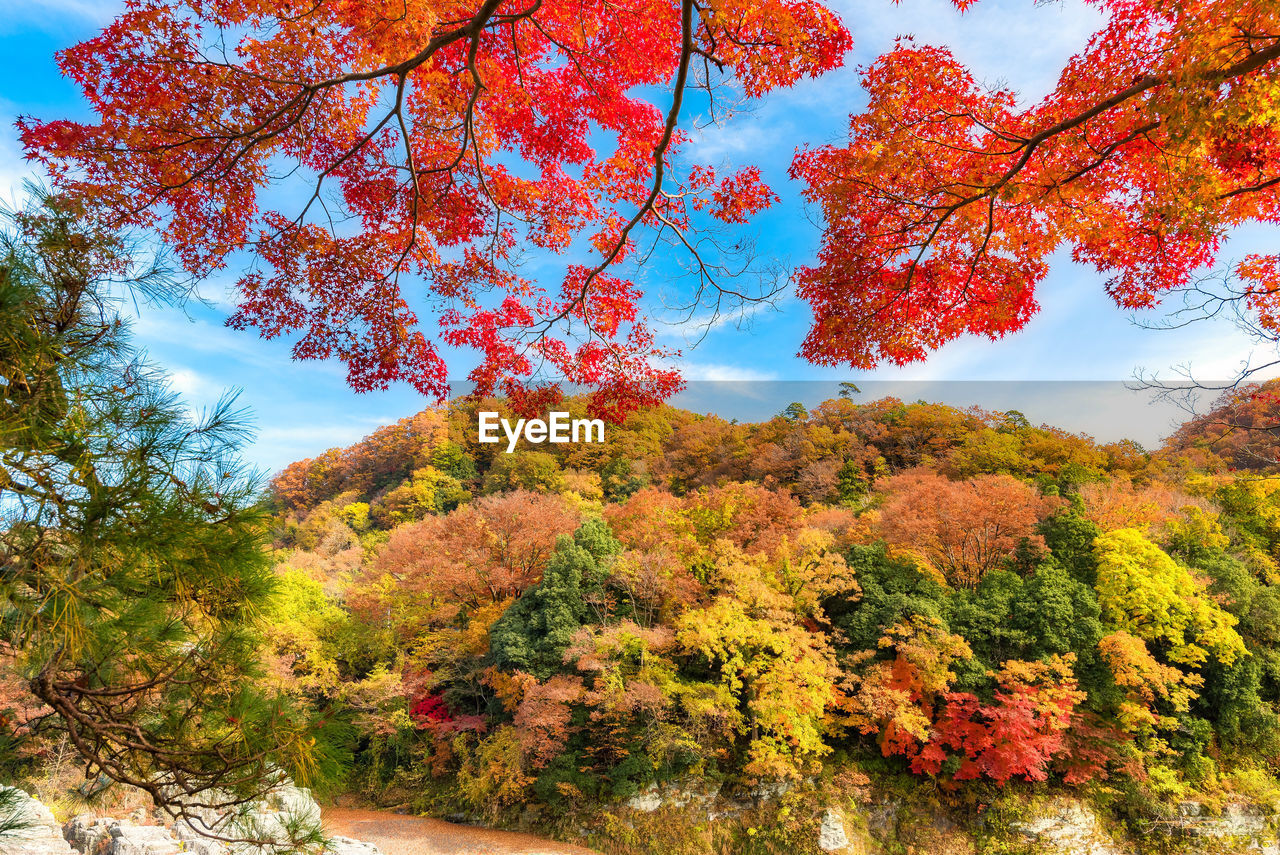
<point>907,591</point>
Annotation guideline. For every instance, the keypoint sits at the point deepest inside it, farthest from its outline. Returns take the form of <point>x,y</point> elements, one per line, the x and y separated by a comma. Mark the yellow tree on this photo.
<point>1143,591</point>
<point>764,654</point>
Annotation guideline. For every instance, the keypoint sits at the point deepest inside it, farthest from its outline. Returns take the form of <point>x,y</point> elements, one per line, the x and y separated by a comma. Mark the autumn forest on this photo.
<point>958,597</point>
<point>863,625</point>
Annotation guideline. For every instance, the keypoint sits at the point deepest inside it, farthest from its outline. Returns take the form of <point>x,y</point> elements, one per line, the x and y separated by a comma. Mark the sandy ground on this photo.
<point>413,835</point>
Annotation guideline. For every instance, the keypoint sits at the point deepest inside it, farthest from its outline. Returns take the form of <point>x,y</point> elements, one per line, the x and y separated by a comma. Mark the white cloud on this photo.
<point>334,433</point>
<point>279,445</point>
<point>745,134</point>
<point>60,16</point>
<point>723,373</point>
<point>690,331</point>
<point>195,388</point>
<point>1015,42</point>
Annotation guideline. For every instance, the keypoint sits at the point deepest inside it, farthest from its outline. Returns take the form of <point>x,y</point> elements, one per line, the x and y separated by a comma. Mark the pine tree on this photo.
<point>131,537</point>
<point>534,633</point>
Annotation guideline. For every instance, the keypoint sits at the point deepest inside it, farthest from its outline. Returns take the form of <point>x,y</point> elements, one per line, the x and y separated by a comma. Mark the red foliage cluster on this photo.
<point>445,140</point>
<point>1019,734</point>
<point>1014,737</point>
<point>441,141</point>
<point>943,208</point>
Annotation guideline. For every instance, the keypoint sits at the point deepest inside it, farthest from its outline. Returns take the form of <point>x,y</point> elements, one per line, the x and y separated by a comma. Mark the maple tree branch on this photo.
<point>659,165</point>
<point>941,214</point>
<point>1252,188</point>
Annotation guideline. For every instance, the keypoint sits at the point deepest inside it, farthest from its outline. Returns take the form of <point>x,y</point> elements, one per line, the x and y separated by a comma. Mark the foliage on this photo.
<point>759,650</point>
<point>1144,591</point>
<point>944,205</point>
<point>454,142</point>
<point>534,633</point>
<point>984,602</point>
<point>133,539</point>
<point>962,592</point>
<point>962,528</point>
<point>1239,429</point>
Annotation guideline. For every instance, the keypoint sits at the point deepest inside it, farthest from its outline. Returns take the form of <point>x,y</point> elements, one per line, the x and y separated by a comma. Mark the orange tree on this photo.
<point>454,136</point>
<point>943,207</point>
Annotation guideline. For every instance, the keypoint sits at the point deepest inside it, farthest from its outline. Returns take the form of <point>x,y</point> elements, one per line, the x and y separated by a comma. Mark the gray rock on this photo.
<point>1237,820</point>
<point>1068,827</point>
<point>129,839</point>
<point>268,821</point>
<point>771,790</point>
<point>295,802</point>
<point>94,835</point>
<point>1243,827</point>
<point>654,797</point>
<point>647,801</point>
<point>259,825</point>
<point>831,834</point>
<point>195,838</point>
<point>682,797</point>
<point>882,818</point>
<point>89,834</point>
<point>28,826</point>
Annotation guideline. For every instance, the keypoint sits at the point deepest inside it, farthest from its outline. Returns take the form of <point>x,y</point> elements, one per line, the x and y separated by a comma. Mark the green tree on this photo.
<point>795,412</point>
<point>1061,614</point>
<point>893,591</point>
<point>132,538</point>
<point>1235,696</point>
<point>621,478</point>
<point>987,616</point>
<point>1070,537</point>
<point>451,459</point>
<point>533,634</point>
<point>852,483</point>
<point>848,390</point>
<point>1006,617</point>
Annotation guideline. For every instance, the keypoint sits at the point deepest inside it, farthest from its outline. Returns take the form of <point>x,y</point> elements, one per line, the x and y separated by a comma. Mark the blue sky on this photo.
<point>303,408</point>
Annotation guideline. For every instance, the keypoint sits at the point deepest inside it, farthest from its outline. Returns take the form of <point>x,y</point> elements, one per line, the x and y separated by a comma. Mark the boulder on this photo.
<point>1237,820</point>
<point>270,820</point>
<point>770,790</point>
<point>653,797</point>
<point>98,835</point>
<point>831,834</point>
<point>130,839</point>
<point>296,803</point>
<point>196,842</point>
<point>646,801</point>
<point>89,834</point>
<point>27,827</point>
<point>882,818</point>
<point>1243,827</point>
<point>1067,827</point>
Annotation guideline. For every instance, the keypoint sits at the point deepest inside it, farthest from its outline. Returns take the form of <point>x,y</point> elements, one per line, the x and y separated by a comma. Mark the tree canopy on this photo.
<point>440,143</point>
<point>132,540</point>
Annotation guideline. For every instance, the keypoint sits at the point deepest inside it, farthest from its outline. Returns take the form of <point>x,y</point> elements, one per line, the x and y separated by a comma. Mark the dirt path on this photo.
<point>395,834</point>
